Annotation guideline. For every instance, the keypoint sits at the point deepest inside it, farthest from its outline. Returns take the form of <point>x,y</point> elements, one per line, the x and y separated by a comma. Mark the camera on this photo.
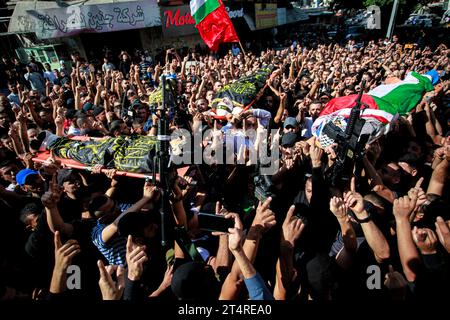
<point>264,187</point>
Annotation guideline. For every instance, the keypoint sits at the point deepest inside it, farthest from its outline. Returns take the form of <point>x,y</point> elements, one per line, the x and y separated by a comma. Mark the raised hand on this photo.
<point>338,207</point>
<point>136,257</point>
<point>151,192</point>
<point>59,121</point>
<point>111,290</point>
<point>417,192</point>
<point>264,218</point>
<point>289,164</point>
<point>52,196</point>
<point>316,154</point>
<point>353,199</point>
<point>236,234</point>
<point>425,239</point>
<point>64,253</point>
<point>395,281</point>
<point>292,227</point>
<point>404,206</point>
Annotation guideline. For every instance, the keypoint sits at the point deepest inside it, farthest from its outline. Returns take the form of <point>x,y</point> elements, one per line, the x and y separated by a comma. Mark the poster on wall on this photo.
<point>48,20</point>
<point>266,15</point>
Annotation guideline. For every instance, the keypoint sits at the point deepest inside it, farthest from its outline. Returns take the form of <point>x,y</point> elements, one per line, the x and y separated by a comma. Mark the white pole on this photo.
<point>392,20</point>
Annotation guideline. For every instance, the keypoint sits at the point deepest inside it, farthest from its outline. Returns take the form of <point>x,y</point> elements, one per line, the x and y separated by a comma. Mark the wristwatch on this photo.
<point>367,219</point>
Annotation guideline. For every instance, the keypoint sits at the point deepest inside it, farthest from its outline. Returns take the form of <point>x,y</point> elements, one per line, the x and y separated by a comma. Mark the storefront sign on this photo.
<point>52,21</point>
<point>265,15</point>
<point>177,21</point>
<point>235,13</point>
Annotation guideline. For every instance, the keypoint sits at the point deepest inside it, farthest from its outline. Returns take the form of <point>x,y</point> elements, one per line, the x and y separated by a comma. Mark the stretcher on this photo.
<point>44,156</point>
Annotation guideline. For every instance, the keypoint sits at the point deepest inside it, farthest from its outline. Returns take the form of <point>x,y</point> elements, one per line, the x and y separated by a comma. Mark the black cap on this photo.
<point>65,175</point>
<point>191,281</point>
<point>98,110</point>
<point>71,114</point>
<point>289,139</point>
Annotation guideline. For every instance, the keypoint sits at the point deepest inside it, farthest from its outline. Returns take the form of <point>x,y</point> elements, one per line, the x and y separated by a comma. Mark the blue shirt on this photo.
<point>115,250</point>
<point>12,97</point>
<point>257,289</point>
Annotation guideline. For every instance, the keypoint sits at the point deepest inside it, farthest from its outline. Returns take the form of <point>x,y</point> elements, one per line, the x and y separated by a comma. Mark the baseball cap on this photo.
<point>65,175</point>
<point>191,281</point>
<point>433,75</point>
<point>71,114</point>
<point>70,103</point>
<point>98,110</point>
<point>290,121</point>
<point>23,174</point>
<point>321,271</point>
<point>88,106</point>
<point>135,103</point>
<point>289,139</point>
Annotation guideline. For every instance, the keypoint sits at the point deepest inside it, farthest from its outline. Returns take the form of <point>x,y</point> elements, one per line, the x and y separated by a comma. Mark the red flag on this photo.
<point>215,27</point>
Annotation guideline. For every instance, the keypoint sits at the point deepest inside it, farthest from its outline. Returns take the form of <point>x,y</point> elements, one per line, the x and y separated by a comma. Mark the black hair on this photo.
<point>134,223</point>
<point>30,209</point>
<point>35,144</point>
<point>96,204</point>
<point>410,159</point>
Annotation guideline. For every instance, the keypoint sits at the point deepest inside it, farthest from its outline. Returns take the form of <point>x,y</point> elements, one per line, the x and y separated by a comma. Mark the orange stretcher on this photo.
<point>44,156</point>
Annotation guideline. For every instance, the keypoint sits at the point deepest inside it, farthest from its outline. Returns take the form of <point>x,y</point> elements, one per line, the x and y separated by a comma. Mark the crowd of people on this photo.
<point>91,234</point>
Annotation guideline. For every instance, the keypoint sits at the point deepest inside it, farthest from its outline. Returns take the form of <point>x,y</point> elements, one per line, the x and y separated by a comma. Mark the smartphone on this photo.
<point>213,222</point>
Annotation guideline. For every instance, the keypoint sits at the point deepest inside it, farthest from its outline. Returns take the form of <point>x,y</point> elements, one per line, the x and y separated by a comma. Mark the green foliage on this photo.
<point>383,3</point>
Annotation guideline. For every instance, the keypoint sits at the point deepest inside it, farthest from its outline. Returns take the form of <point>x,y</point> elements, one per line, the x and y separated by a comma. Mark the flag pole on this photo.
<point>242,48</point>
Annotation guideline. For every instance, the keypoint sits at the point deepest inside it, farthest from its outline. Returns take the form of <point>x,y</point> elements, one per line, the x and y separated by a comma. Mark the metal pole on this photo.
<point>392,20</point>
<point>163,160</point>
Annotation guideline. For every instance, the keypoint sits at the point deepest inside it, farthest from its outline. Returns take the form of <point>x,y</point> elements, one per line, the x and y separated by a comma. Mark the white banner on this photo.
<point>66,21</point>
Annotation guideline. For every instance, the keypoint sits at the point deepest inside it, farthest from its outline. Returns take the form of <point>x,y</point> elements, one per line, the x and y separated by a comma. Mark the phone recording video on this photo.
<point>213,222</point>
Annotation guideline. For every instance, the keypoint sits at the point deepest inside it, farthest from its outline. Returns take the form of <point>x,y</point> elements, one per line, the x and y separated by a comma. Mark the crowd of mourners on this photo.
<point>92,234</point>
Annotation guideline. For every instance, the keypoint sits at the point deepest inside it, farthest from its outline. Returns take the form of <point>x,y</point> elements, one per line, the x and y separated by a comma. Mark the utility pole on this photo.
<point>392,20</point>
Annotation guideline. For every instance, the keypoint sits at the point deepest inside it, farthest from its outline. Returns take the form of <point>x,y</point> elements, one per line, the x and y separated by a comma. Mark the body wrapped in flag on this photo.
<point>381,106</point>
<point>131,154</point>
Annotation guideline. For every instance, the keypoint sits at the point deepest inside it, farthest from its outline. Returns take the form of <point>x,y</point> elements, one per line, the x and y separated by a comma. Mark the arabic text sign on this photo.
<point>61,22</point>
<point>266,17</point>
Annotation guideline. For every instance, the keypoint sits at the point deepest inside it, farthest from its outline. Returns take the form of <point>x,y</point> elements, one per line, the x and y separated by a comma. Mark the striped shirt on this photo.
<point>115,250</point>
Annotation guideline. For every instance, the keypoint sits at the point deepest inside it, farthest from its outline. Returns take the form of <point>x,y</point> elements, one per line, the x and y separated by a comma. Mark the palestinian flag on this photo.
<point>213,22</point>
<point>382,104</point>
